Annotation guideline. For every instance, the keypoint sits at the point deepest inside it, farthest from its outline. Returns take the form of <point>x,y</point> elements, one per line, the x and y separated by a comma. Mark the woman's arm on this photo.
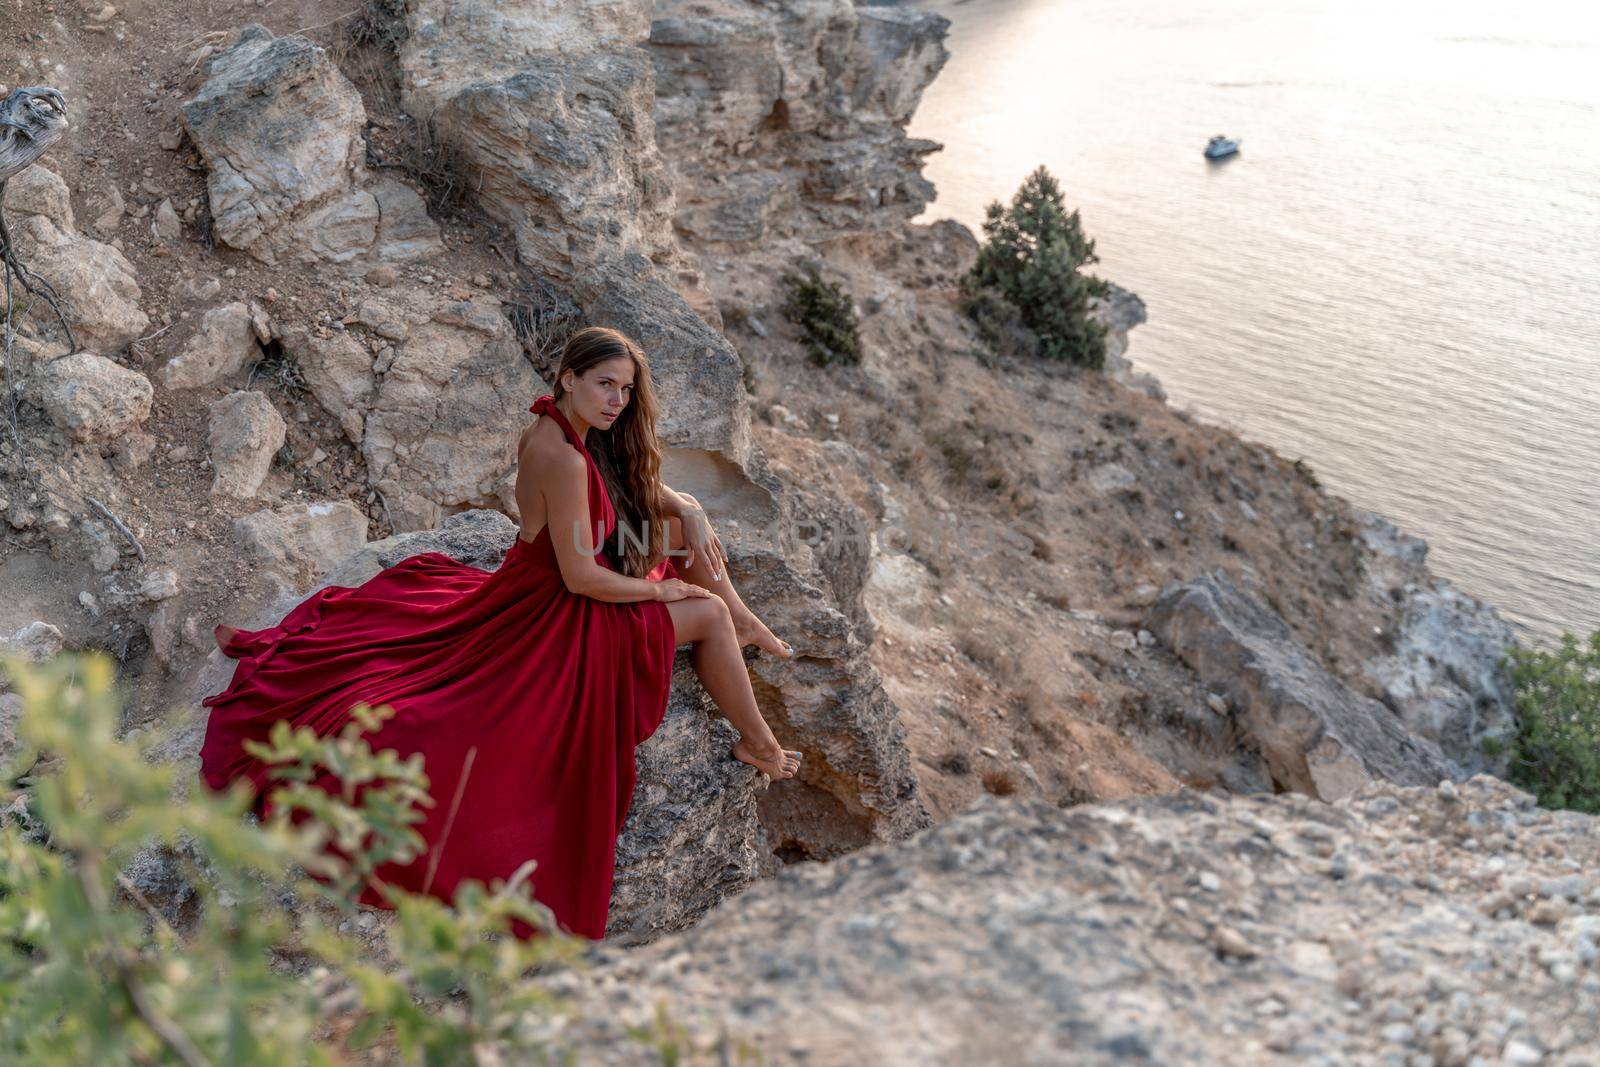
<point>675,503</point>
<point>701,541</point>
<point>573,534</point>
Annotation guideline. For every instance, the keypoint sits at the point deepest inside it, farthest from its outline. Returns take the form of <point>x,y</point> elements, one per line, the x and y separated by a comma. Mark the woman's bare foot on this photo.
<point>752,631</point>
<point>779,762</point>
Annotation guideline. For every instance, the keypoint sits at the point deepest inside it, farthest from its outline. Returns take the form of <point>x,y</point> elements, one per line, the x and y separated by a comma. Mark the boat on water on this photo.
<point>1220,146</point>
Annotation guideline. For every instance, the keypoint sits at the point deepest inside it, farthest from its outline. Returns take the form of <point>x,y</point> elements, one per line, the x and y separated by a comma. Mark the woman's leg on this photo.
<point>749,629</point>
<point>708,624</point>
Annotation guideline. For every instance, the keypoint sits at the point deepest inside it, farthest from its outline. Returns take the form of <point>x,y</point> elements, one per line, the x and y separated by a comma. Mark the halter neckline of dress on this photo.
<point>546,405</point>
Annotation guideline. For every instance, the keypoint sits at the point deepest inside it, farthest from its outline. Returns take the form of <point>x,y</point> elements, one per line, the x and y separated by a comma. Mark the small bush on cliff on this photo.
<point>826,316</point>
<point>91,972</point>
<point>1026,289</point>
<point>1555,754</point>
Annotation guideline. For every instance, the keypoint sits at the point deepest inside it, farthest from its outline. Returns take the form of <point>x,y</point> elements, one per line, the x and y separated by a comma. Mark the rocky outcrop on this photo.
<point>1121,311</point>
<point>784,120</point>
<point>552,111</point>
<point>1445,677</point>
<point>1453,925</point>
<point>550,106</point>
<point>1316,735</point>
<point>280,131</point>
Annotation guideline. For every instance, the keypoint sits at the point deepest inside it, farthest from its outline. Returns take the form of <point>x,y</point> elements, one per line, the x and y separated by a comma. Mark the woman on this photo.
<point>525,689</point>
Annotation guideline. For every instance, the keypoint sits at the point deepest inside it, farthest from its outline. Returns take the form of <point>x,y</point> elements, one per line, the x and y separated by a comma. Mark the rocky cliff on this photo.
<point>321,273</point>
<point>1450,925</point>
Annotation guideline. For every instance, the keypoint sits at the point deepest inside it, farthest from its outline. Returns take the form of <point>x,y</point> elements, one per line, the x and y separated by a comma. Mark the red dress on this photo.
<point>549,689</point>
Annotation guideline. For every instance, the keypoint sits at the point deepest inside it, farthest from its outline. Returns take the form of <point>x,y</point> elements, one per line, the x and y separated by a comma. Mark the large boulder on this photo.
<point>38,190</point>
<point>441,429</point>
<point>280,131</point>
<point>1401,925</point>
<point>317,536</point>
<point>94,398</point>
<point>1317,735</point>
<point>338,369</point>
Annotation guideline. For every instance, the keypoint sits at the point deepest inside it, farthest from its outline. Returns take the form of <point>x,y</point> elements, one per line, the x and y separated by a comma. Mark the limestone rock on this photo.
<point>108,209</point>
<point>442,428</point>
<point>1445,679</point>
<point>1120,312</point>
<point>93,398</point>
<point>778,122</point>
<point>167,224</point>
<point>224,343</point>
<point>159,584</point>
<point>133,450</point>
<point>1317,735</point>
<point>600,190</point>
<point>246,430</point>
<point>279,128</point>
<point>320,535</point>
<point>40,191</point>
<point>95,282</point>
<point>405,232</point>
<point>196,289</point>
<point>1020,933</point>
<point>339,370</point>
<point>37,642</point>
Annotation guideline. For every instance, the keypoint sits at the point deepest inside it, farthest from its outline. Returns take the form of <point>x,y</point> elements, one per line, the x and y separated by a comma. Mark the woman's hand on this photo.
<point>670,589</point>
<point>700,539</point>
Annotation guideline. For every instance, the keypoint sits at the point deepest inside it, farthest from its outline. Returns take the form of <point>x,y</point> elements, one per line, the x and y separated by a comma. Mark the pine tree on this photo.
<point>1032,259</point>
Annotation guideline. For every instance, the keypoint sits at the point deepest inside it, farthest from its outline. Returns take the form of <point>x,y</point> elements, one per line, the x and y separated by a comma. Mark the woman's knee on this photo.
<point>717,608</point>
<point>698,618</point>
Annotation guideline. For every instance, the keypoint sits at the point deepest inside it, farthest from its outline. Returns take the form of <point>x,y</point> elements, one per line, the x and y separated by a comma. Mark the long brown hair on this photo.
<point>627,454</point>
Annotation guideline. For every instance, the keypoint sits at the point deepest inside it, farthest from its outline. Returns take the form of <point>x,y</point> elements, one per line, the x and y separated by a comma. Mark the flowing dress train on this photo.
<point>548,692</point>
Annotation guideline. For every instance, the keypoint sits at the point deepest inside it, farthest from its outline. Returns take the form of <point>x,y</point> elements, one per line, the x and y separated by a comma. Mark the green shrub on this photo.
<point>91,972</point>
<point>1555,754</point>
<point>1030,261</point>
<point>826,317</point>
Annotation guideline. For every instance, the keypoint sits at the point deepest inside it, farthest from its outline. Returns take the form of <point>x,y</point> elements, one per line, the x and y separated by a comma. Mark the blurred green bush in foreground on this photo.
<point>92,973</point>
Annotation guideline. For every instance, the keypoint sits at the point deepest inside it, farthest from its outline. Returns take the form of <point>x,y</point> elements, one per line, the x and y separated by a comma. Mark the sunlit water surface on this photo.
<point>1395,279</point>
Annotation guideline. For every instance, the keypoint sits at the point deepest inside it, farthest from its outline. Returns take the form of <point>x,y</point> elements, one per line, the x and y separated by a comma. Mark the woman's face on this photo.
<point>601,393</point>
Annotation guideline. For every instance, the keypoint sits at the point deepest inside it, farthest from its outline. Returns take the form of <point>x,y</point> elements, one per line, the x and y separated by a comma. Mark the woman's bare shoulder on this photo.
<point>546,447</point>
